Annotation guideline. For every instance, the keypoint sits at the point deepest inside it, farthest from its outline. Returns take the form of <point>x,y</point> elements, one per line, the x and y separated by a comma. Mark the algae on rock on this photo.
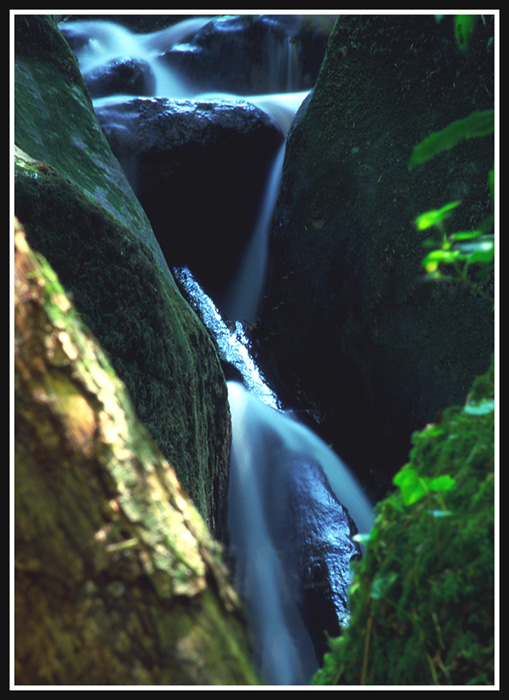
<point>350,324</point>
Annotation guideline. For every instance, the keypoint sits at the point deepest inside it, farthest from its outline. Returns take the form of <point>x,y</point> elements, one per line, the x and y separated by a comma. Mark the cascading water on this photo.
<point>287,495</point>
<point>266,444</point>
<point>246,289</point>
<point>281,473</point>
<point>107,41</point>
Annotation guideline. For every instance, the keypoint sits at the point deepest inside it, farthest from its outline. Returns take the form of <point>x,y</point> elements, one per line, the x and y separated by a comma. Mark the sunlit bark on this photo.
<point>117,578</point>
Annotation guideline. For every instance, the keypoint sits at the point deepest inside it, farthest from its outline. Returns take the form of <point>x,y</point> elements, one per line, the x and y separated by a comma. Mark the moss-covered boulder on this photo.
<point>422,600</point>
<point>79,211</point>
<point>350,324</point>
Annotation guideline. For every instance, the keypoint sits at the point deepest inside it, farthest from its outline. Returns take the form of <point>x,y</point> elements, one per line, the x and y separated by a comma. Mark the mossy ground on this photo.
<point>422,601</point>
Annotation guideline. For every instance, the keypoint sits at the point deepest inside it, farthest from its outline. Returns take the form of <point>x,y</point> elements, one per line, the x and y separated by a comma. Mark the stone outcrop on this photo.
<point>314,539</point>
<point>111,555</point>
<point>79,211</point>
<point>350,326</point>
<point>121,75</point>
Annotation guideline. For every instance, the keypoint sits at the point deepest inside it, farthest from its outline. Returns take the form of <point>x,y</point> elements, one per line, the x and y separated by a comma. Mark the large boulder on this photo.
<point>79,211</point>
<point>198,168</point>
<point>111,554</point>
<point>350,326</point>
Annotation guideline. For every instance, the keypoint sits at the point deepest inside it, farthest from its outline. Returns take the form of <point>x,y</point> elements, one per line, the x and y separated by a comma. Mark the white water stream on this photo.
<point>283,649</point>
<point>263,439</point>
<point>108,41</point>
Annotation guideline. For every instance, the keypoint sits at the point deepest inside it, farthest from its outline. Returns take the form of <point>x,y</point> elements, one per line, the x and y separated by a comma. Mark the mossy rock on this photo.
<point>80,213</point>
<point>351,326</point>
<point>422,600</point>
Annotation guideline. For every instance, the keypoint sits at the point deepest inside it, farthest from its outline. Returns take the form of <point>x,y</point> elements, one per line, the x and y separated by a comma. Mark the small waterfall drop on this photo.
<point>108,41</point>
<point>283,653</point>
<point>264,437</point>
<point>263,440</point>
<point>246,289</point>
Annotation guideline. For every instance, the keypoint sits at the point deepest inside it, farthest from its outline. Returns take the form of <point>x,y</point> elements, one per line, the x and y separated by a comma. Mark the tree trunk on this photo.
<point>117,579</point>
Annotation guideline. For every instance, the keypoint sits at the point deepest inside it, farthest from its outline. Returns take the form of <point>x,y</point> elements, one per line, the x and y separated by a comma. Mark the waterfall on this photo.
<point>246,289</point>
<point>263,440</point>
<point>108,41</point>
<point>263,437</point>
<point>270,450</point>
<point>282,650</point>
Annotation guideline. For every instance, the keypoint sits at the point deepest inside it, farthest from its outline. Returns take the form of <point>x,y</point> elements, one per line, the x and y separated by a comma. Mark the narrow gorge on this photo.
<point>227,202</point>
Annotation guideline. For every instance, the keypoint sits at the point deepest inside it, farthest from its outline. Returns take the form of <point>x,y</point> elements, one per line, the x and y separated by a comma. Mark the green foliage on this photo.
<point>475,125</point>
<point>461,249</point>
<point>413,486</point>
<point>422,599</point>
<point>434,217</point>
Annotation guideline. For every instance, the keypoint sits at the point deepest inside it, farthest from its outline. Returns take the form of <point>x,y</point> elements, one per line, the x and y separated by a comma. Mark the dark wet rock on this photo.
<point>121,76</point>
<point>350,325</point>
<point>313,533</point>
<point>198,168</point>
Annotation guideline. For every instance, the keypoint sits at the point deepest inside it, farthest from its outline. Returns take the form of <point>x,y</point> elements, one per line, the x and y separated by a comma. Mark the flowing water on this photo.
<point>283,650</point>
<point>108,41</point>
<point>263,439</point>
<point>246,288</point>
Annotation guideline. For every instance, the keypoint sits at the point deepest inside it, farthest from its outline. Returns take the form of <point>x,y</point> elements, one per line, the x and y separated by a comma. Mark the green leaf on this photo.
<point>411,485</point>
<point>465,235</point>
<point>433,431</point>
<point>439,257</point>
<point>435,216</point>
<point>476,124</point>
<point>442,483</point>
<point>464,26</point>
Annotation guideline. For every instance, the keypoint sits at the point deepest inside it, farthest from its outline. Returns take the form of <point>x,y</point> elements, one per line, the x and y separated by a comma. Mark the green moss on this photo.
<point>422,601</point>
<point>79,211</point>
<point>155,342</point>
<point>55,123</point>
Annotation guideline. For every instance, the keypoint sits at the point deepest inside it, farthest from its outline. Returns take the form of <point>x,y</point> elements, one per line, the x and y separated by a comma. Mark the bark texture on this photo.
<point>118,580</point>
